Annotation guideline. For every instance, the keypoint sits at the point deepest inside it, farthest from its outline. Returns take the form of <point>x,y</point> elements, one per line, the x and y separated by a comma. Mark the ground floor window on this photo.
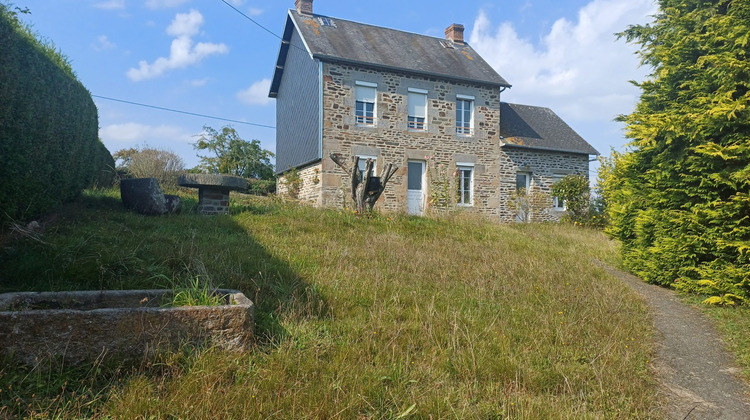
<point>465,184</point>
<point>557,202</point>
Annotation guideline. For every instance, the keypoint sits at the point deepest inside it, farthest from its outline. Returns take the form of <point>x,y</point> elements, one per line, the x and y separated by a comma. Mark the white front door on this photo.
<point>415,187</point>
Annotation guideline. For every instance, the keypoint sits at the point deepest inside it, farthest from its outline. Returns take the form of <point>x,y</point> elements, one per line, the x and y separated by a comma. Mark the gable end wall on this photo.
<point>297,109</point>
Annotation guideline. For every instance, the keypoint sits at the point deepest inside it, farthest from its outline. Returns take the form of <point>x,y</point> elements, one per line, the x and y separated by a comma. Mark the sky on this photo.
<point>204,57</point>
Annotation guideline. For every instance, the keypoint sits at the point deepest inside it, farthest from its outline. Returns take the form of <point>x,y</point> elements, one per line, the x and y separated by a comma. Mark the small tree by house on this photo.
<point>365,190</point>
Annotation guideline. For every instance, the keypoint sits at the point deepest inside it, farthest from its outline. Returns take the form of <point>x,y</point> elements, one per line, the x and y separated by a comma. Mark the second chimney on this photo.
<point>304,6</point>
<point>455,33</point>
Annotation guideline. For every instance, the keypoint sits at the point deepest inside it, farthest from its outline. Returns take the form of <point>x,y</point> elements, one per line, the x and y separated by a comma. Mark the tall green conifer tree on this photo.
<point>680,198</point>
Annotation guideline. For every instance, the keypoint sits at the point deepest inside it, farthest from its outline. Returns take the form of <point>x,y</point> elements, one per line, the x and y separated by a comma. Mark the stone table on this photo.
<point>213,190</point>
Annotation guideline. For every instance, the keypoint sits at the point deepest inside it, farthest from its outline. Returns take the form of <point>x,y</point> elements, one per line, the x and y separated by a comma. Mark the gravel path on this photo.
<point>698,376</point>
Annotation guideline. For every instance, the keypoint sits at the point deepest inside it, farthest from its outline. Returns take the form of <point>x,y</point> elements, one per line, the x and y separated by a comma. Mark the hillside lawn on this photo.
<point>384,317</point>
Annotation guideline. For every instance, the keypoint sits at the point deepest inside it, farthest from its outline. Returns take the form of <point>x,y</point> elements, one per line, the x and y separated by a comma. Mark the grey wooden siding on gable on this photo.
<point>297,109</point>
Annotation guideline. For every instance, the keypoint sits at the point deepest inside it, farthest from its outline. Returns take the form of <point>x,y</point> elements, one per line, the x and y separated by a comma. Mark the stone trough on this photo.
<point>213,190</point>
<point>82,326</point>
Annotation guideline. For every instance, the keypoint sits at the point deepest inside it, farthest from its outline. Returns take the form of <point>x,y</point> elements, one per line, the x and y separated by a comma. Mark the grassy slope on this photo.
<point>357,318</point>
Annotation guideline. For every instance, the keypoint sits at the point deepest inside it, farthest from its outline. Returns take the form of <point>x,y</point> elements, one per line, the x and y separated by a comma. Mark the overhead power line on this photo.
<point>259,25</point>
<point>183,112</point>
<point>251,19</point>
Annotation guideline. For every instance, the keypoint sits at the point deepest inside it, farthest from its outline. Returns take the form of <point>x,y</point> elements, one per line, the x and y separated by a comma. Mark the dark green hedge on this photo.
<point>49,145</point>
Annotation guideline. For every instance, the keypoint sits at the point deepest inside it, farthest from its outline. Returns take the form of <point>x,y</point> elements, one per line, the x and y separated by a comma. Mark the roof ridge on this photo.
<point>374,26</point>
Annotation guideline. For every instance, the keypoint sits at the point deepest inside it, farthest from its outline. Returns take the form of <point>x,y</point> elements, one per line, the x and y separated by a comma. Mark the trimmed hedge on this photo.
<point>49,145</point>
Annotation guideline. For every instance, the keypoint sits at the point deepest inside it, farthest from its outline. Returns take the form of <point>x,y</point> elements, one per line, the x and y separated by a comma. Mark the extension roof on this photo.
<point>337,40</point>
<point>537,127</point>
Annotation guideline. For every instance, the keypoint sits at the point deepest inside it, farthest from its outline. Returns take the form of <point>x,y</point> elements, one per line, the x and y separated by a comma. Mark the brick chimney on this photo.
<point>304,6</point>
<point>455,33</point>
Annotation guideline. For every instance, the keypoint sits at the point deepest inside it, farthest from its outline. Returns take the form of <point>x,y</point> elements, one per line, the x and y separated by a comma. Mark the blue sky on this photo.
<point>204,57</point>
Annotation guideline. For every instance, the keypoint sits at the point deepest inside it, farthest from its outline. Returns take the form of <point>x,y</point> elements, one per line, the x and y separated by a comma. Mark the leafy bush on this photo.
<point>679,200</point>
<point>261,186</point>
<point>48,126</point>
<point>164,165</point>
<point>574,190</point>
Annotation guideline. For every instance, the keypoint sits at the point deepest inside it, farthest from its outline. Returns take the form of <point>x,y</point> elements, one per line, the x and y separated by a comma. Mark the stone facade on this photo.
<point>390,140</point>
<point>542,167</point>
<point>308,190</point>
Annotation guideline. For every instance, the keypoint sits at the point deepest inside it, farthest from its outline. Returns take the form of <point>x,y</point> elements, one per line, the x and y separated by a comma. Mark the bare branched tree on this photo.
<point>364,197</point>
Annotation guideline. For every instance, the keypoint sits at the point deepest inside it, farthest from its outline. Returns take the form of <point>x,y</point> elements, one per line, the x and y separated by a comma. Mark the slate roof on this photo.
<point>539,128</point>
<point>337,40</point>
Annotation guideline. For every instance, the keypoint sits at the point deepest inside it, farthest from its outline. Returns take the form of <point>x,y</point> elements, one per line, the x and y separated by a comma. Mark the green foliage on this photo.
<point>48,126</point>
<point>574,191</point>
<point>261,186</point>
<point>293,182</point>
<point>233,155</point>
<point>146,162</point>
<point>442,184</point>
<point>679,200</point>
<point>529,205</point>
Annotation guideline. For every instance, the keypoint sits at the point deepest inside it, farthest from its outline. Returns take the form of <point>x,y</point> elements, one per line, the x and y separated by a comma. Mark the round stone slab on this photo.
<point>217,181</point>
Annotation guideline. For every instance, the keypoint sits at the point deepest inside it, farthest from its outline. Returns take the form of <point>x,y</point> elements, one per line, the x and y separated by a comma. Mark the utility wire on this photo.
<point>251,19</point>
<point>183,112</point>
<point>260,26</point>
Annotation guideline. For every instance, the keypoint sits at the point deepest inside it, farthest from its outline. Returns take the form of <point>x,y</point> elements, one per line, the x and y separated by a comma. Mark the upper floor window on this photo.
<point>464,115</point>
<point>465,184</point>
<point>417,109</point>
<point>365,104</point>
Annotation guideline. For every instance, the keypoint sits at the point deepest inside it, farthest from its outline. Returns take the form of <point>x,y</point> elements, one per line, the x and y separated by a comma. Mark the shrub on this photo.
<point>261,186</point>
<point>164,165</point>
<point>48,126</point>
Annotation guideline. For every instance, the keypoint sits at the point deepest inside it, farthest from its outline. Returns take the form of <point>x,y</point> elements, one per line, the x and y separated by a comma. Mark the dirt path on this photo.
<point>697,374</point>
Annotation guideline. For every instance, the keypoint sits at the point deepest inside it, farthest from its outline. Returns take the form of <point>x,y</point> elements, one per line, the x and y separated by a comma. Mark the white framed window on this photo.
<point>523,182</point>
<point>363,163</point>
<point>465,172</point>
<point>464,115</point>
<point>417,120</point>
<point>365,105</point>
<point>557,202</point>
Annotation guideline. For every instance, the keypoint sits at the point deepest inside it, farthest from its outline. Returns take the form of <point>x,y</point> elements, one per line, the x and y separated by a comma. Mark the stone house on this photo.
<point>428,105</point>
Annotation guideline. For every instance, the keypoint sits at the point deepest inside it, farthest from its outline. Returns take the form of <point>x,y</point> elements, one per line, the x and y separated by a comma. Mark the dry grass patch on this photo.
<point>375,318</point>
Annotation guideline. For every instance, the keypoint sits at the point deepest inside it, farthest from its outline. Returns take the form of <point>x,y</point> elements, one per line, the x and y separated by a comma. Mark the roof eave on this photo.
<point>553,149</point>
<point>328,58</point>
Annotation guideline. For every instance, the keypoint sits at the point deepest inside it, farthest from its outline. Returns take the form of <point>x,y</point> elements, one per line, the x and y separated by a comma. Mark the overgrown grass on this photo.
<point>356,318</point>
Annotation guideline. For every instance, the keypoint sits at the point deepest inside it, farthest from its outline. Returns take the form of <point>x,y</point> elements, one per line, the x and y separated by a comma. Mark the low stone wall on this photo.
<point>83,326</point>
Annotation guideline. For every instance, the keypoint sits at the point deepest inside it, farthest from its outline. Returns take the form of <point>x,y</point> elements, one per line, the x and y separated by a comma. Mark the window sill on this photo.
<point>464,205</point>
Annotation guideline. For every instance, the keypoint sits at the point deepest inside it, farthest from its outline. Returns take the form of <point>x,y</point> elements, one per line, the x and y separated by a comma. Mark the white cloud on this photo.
<point>186,24</point>
<point>103,43</point>
<point>256,94</point>
<point>199,82</point>
<point>110,5</point>
<point>183,52</point>
<point>164,4</point>
<point>578,69</point>
<point>254,11</point>
<point>133,134</point>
